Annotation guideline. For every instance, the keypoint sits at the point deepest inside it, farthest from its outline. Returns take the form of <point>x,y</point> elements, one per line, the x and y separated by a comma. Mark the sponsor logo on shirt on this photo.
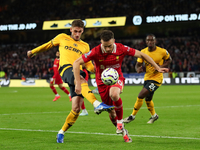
<point>113,66</point>
<point>73,49</point>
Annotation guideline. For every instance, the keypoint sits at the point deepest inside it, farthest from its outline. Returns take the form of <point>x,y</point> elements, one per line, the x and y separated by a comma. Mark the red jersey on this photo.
<point>105,60</point>
<point>55,68</point>
<point>87,75</point>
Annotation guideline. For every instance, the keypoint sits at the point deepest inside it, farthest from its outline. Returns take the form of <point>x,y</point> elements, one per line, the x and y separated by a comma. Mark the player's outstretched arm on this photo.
<point>30,54</point>
<point>42,48</point>
<point>76,69</point>
<point>151,61</point>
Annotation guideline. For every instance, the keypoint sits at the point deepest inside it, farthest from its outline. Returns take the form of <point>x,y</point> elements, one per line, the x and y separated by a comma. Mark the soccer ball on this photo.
<point>109,76</point>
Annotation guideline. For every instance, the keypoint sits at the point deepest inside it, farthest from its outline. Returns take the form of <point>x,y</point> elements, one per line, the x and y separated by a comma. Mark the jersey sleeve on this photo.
<point>56,41</point>
<point>128,50</point>
<point>166,54</point>
<point>42,48</point>
<point>89,56</point>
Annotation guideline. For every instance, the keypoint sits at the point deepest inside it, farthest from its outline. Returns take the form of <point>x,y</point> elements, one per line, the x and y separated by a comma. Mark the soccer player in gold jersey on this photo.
<point>71,47</point>
<point>152,79</point>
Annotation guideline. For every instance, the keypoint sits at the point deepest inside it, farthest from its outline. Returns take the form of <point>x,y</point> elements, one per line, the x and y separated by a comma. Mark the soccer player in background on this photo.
<point>110,55</point>
<point>152,79</point>
<point>71,47</point>
<point>56,79</point>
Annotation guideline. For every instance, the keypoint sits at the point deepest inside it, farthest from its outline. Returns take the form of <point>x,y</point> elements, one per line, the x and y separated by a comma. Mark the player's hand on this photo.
<point>78,88</point>
<point>140,69</point>
<point>30,54</point>
<point>163,70</point>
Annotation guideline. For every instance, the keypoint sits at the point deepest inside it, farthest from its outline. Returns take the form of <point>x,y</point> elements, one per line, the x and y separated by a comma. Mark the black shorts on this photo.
<point>68,77</point>
<point>151,86</point>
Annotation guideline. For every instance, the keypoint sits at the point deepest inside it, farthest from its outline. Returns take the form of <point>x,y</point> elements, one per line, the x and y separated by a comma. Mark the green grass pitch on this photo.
<point>30,120</point>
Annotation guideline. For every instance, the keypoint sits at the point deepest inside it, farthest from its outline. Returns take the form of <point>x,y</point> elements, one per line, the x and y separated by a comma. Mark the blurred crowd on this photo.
<point>19,11</point>
<point>185,52</point>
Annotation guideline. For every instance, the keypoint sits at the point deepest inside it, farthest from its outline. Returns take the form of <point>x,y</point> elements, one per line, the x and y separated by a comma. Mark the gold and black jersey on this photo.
<point>158,55</point>
<point>69,49</point>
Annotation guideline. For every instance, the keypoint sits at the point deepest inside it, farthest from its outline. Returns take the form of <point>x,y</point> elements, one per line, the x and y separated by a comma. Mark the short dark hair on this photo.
<point>106,35</point>
<point>151,35</point>
<point>78,23</point>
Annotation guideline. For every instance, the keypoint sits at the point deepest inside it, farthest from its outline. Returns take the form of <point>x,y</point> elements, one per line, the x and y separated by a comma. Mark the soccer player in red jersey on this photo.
<point>110,55</point>
<point>56,79</point>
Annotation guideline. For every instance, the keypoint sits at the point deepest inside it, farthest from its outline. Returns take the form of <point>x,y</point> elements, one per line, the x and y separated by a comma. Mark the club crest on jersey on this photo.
<point>117,58</point>
<point>75,44</point>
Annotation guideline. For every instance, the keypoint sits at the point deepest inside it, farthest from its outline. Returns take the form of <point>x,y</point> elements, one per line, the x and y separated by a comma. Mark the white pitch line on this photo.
<point>148,136</point>
<point>35,113</point>
<point>93,110</point>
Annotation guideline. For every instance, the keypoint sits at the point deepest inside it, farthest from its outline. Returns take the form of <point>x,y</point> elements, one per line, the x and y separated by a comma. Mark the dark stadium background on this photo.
<point>179,37</point>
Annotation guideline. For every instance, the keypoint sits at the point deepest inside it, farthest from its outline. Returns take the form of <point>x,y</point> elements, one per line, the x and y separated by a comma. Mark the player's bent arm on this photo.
<point>166,63</point>
<point>77,77</point>
<point>138,67</point>
<point>150,60</point>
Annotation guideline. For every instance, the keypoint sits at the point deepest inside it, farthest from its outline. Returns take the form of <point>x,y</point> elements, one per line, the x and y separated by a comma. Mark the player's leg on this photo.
<point>57,96</point>
<point>87,93</point>
<point>113,117</point>
<point>65,90</point>
<point>84,111</point>
<point>71,118</point>
<point>114,94</point>
<point>137,106</point>
<point>68,77</point>
<point>150,104</point>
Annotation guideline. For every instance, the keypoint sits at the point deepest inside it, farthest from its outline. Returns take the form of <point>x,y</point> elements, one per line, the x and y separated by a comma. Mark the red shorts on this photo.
<point>56,80</point>
<point>105,89</point>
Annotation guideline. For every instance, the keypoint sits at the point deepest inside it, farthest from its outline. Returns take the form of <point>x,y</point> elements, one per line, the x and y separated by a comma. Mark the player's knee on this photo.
<point>114,96</point>
<point>60,86</point>
<point>76,109</point>
<point>148,99</point>
<point>83,80</point>
<point>141,96</point>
